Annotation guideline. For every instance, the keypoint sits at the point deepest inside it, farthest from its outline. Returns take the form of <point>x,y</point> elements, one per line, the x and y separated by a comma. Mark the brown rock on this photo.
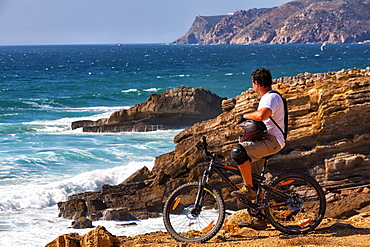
<point>70,240</point>
<point>140,175</point>
<point>228,104</point>
<point>82,123</point>
<point>366,190</point>
<point>98,237</point>
<point>239,216</point>
<point>174,108</point>
<point>72,209</point>
<point>348,205</point>
<point>82,223</point>
<point>118,214</point>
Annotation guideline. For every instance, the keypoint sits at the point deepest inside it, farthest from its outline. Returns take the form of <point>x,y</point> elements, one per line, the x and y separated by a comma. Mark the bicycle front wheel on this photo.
<point>296,203</point>
<point>187,223</point>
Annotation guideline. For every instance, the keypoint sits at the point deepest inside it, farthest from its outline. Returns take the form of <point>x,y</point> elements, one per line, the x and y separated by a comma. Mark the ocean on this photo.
<point>44,89</point>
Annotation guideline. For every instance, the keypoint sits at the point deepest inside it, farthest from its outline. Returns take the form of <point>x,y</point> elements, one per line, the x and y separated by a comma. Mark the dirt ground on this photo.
<point>354,231</point>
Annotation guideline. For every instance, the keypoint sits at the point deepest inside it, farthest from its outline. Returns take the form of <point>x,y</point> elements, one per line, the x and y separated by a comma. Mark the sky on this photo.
<point>56,22</point>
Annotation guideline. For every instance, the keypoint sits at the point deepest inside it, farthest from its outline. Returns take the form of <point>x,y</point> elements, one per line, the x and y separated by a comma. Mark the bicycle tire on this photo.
<point>300,212</point>
<point>184,226</point>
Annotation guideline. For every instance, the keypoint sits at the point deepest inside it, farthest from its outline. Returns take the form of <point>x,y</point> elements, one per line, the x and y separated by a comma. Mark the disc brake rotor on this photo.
<point>295,203</point>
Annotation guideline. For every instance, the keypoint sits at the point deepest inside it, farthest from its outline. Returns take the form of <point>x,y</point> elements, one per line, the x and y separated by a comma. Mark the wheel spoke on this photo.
<point>302,211</point>
<point>187,223</point>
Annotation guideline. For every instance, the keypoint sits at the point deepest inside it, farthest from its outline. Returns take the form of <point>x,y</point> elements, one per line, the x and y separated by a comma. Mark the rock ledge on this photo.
<point>174,108</point>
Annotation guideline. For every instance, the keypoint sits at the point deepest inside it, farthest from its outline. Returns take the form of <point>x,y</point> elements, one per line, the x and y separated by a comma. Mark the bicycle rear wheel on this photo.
<point>185,222</point>
<point>296,203</point>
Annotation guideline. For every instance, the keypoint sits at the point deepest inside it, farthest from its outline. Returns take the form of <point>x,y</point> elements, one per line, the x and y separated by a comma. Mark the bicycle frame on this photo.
<point>257,179</point>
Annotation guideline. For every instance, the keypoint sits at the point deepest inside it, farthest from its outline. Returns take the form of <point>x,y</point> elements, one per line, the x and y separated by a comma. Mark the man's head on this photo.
<point>262,77</point>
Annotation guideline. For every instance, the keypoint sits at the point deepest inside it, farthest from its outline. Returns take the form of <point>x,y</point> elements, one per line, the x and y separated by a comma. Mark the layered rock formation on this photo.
<point>329,138</point>
<point>174,108</point>
<point>300,21</point>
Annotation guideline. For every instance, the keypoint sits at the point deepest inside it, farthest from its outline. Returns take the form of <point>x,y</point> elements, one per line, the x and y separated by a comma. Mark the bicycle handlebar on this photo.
<point>204,145</point>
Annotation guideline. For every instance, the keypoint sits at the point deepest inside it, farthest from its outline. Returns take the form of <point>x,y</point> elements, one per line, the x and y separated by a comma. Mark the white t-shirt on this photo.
<point>274,102</point>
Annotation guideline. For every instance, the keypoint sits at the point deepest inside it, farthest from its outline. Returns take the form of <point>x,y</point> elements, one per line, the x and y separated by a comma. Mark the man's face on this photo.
<point>255,86</point>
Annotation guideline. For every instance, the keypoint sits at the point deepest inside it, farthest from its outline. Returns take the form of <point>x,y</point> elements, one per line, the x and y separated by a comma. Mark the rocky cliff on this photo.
<point>299,21</point>
<point>329,138</point>
<point>174,108</point>
<point>198,30</point>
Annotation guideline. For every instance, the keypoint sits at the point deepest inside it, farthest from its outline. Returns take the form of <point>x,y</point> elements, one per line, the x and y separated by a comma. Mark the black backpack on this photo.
<point>285,132</point>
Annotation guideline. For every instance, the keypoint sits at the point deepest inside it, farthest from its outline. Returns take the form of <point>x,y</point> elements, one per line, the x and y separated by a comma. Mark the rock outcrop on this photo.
<point>97,237</point>
<point>329,138</point>
<point>82,223</point>
<point>174,108</point>
<point>299,21</point>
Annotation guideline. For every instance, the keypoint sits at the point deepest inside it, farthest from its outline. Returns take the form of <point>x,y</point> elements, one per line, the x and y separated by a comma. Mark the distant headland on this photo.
<point>296,22</point>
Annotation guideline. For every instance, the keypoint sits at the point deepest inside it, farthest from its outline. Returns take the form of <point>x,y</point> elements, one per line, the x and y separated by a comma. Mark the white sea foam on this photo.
<point>28,212</point>
<point>38,105</point>
<point>152,89</point>
<point>137,91</point>
<point>46,194</point>
<point>37,227</point>
<point>130,90</point>
<point>182,75</point>
<point>63,124</point>
<point>105,109</point>
<point>57,107</point>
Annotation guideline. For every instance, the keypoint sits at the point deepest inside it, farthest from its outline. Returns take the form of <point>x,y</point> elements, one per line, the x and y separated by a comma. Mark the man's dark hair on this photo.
<point>262,77</point>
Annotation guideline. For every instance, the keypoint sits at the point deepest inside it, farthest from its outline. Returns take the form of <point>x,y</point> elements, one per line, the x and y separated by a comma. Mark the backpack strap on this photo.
<point>285,132</point>
<point>278,127</point>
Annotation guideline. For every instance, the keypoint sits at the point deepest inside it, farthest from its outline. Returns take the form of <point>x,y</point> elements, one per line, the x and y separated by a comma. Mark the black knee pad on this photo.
<point>239,154</point>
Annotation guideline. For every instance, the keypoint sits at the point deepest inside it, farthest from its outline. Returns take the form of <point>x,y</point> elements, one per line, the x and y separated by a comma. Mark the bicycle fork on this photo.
<point>201,191</point>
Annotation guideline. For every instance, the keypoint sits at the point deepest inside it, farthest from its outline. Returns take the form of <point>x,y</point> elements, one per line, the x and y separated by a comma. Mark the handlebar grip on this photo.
<point>204,140</point>
<point>205,144</point>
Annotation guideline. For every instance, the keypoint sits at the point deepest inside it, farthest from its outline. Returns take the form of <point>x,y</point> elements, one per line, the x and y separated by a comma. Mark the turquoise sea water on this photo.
<point>44,88</point>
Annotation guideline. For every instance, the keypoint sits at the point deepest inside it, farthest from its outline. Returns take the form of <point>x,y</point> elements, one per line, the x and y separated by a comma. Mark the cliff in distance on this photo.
<point>296,22</point>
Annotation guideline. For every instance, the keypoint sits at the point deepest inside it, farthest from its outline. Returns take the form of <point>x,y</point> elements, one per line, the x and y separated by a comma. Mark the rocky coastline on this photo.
<point>328,139</point>
<point>295,22</point>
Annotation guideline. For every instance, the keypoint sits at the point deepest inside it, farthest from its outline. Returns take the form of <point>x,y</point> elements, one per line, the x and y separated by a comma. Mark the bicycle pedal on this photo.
<point>249,203</point>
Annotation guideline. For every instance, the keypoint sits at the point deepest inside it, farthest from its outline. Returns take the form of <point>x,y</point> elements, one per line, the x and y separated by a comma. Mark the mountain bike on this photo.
<point>293,203</point>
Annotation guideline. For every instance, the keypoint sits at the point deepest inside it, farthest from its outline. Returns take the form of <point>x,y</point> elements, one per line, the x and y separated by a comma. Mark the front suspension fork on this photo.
<point>200,194</point>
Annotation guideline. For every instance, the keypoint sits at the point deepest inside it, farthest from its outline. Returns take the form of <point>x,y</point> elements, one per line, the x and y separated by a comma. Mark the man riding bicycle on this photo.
<point>249,154</point>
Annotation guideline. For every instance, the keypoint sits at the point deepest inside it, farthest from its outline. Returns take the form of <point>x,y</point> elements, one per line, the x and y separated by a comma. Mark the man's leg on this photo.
<point>246,171</point>
<point>239,154</point>
<point>257,151</point>
<point>257,166</point>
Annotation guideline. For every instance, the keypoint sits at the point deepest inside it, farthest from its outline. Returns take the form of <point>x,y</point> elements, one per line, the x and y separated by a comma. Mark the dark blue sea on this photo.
<point>45,88</point>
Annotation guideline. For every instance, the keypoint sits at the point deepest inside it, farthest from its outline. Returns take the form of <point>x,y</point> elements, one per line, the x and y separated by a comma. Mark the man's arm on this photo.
<point>259,115</point>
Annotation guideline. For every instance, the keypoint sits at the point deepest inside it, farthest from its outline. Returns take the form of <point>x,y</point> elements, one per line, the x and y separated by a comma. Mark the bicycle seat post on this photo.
<point>264,169</point>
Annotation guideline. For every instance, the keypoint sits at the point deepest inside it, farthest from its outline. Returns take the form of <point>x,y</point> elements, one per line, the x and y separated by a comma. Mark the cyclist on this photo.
<point>249,154</point>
